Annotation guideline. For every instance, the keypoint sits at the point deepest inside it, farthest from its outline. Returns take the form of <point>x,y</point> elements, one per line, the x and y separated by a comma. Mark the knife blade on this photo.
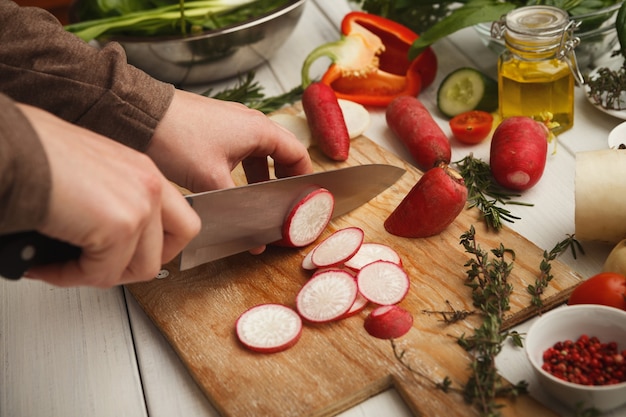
<point>234,220</point>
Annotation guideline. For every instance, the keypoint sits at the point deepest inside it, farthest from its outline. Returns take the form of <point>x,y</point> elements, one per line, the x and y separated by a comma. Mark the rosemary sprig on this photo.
<point>248,91</point>
<point>485,194</point>
<point>545,268</point>
<point>488,279</point>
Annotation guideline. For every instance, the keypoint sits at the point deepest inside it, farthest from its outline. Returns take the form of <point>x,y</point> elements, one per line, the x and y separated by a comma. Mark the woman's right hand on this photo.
<point>112,202</point>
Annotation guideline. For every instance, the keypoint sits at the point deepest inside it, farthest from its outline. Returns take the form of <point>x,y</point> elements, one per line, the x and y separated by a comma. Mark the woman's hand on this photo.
<point>112,202</point>
<point>201,140</point>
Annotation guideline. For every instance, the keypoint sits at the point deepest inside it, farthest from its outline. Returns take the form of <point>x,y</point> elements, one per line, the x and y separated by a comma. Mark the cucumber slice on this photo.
<point>467,89</point>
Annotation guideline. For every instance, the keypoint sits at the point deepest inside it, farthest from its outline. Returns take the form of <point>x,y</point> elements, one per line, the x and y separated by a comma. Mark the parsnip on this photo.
<point>600,190</point>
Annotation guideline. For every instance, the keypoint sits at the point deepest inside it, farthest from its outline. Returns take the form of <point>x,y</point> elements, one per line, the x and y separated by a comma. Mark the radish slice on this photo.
<point>356,116</point>
<point>269,328</point>
<point>372,252</point>
<point>359,305</point>
<point>308,218</point>
<point>296,125</point>
<point>338,247</point>
<point>388,322</point>
<point>383,282</point>
<point>307,262</point>
<point>326,296</point>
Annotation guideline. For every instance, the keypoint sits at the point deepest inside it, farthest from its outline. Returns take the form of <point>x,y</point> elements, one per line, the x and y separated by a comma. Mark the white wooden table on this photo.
<point>86,352</point>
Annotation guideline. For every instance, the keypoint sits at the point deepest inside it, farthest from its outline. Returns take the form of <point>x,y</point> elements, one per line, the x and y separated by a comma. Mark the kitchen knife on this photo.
<point>233,220</point>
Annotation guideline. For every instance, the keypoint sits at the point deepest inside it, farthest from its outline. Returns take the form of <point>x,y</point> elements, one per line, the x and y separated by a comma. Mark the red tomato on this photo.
<point>606,288</point>
<point>471,127</point>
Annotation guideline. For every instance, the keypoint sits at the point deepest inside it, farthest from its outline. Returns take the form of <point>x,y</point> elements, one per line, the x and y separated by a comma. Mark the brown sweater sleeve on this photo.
<point>43,65</point>
<point>24,172</point>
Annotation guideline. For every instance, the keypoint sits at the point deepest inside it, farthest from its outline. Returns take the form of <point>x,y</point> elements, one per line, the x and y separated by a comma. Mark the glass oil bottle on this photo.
<point>538,70</point>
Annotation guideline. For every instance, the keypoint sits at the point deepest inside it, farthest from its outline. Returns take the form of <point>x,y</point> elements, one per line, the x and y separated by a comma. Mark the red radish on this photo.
<point>518,152</point>
<point>388,322</point>
<point>326,121</point>
<point>413,124</point>
<point>383,282</point>
<point>307,261</point>
<point>327,296</point>
<point>430,206</point>
<point>338,247</point>
<point>370,252</point>
<point>308,218</point>
<point>359,305</point>
<point>269,328</point>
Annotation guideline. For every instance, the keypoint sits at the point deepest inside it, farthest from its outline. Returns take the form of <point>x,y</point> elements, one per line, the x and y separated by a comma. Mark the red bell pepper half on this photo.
<point>370,63</point>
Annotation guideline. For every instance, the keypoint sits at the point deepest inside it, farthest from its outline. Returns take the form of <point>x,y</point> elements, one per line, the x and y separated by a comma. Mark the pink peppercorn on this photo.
<point>586,361</point>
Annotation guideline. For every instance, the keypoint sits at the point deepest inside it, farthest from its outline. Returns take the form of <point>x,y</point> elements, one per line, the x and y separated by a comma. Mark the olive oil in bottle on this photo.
<point>536,71</point>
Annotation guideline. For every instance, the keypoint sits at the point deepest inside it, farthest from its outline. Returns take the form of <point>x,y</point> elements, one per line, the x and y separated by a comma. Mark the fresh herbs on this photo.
<point>491,291</point>
<point>545,268</point>
<point>248,91</point>
<point>607,86</point>
<point>450,16</point>
<point>165,17</point>
<point>485,194</point>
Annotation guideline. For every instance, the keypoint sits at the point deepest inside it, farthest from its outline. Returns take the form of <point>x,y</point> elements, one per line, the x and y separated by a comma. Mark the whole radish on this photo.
<point>326,122</point>
<point>430,206</point>
<point>413,124</point>
<point>518,154</point>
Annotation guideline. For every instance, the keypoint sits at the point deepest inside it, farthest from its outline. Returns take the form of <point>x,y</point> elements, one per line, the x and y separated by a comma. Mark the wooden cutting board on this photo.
<point>338,365</point>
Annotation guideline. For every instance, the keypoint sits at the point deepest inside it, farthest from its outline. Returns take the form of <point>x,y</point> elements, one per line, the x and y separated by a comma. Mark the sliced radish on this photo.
<point>338,247</point>
<point>370,252</point>
<point>356,116</point>
<point>308,218</point>
<point>307,262</point>
<point>383,282</point>
<point>269,328</point>
<point>359,305</point>
<point>388,322</point>
<point>296,125</point>
<point>327,296</point>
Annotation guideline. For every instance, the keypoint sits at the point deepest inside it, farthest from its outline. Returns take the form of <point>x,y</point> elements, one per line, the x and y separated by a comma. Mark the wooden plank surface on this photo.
<point>335,366</point>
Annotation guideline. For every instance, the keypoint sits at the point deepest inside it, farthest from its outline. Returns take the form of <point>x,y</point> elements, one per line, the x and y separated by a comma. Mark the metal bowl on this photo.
<point>216,54</point>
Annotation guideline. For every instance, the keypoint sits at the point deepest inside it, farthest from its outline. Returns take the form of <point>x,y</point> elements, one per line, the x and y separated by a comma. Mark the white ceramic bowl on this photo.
<point>617,136</point>
<point>569,323</point>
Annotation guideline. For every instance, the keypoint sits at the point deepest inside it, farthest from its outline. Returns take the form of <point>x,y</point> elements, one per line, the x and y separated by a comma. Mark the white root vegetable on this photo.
<point>600,210</point>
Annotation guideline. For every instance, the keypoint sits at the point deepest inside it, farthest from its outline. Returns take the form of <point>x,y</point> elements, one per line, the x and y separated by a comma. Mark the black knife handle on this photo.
<point>21,251</point>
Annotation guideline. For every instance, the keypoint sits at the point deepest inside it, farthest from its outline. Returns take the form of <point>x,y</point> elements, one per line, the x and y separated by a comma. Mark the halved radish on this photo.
<point>327,296</point>
<point>370,252</point>
<point>383,282</point>
<point>388,322</point>
<point>269,328</point>
<point>338,247</point>
<point>308,218</point>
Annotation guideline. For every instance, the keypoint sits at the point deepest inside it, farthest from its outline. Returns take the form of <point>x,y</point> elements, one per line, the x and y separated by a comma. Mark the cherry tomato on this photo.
<point>606,288</point>
<point>471,127</point>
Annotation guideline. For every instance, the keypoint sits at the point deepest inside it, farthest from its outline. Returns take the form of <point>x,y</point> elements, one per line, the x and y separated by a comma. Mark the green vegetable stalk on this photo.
<point>163,17</point>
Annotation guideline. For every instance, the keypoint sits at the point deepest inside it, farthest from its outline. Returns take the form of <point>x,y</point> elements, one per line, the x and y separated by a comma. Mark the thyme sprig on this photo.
<point>249,92</point>
<point>487,276</point>
<point>545,268</point>
<point>485,194</point>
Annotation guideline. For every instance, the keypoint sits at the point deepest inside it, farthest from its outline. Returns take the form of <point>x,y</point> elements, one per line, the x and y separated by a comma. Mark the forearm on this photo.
<point>43,65</point>
<point>24,172</point>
